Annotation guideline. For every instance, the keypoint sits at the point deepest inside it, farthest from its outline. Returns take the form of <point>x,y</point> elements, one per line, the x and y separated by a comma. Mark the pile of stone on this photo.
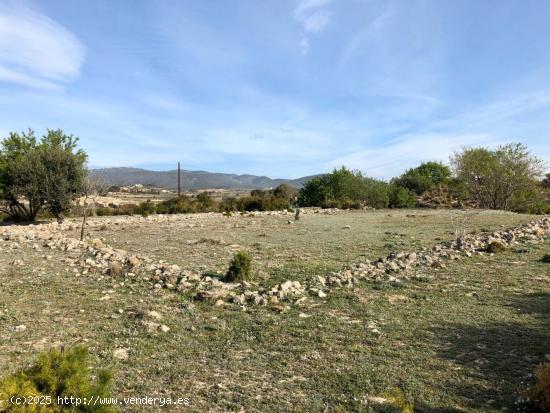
<point>96,257</point>
<point>398,266</point>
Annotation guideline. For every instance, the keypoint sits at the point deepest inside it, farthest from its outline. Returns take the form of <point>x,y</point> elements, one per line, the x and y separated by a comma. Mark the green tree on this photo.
<point>377,193</point>
<point>314,193</point>
<point>424,177</point>
<point>285,191</point>
<point>34,174</point>
<point>501,178</point>
<point>340,188</point>
<point>400,197</point>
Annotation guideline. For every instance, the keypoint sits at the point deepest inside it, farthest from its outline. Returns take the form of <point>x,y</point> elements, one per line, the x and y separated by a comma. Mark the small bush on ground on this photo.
<point>495,246</point>
<point>539,394</point>
<point>545,258</point>
<point>146,208</point>
<point>285,191</point>
<point>401,197</point>
<point>57,374</point>
<point>399,401</point>
<point>240,266</point>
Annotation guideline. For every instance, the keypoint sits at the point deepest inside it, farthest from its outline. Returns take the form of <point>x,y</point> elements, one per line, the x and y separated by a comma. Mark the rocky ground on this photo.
<point>45,266</point>
<point>93,256</point>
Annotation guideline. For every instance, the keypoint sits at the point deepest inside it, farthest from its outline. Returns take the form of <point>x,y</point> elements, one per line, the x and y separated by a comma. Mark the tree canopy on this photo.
<point>340,188</point>
<point>34,174</point>
<point>424,177</point>
<point>501,178</point>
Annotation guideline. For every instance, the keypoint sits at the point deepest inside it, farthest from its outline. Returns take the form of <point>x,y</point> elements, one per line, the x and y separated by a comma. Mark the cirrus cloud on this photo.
<point>36,51</point>
<point>313,18</point>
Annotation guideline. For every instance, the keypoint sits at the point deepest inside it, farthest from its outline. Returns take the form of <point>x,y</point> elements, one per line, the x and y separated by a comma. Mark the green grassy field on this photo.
<point>464,338</point>
<point>318,243</point>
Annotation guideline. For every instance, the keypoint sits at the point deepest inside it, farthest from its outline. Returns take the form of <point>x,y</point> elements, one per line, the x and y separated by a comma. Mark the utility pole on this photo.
<point>179,180</point>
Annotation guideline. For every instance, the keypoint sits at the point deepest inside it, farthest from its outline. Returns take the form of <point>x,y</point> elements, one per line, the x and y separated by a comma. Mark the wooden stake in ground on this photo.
<point>92,189</point>
<point>297,215</point>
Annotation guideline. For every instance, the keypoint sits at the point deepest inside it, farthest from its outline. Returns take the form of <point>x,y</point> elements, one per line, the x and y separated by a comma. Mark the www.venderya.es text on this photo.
<point>98,401</point>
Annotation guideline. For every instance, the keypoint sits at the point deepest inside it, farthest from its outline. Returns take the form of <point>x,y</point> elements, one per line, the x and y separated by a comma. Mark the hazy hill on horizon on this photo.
<point>190,180</point>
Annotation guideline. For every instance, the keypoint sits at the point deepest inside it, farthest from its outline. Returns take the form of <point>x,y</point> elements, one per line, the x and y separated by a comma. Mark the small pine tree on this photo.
<point>57,374</point>
<point>240,266</point>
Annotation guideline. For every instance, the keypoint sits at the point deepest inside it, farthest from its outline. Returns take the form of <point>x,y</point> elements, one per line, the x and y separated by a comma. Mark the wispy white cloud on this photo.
<point>359,43</point>
<point>496,122</point>
<point>409,150</point>
<point>304,6</point>
<point>15,76</point>
<point>313,17</point>
<point>316,22</point>
<point>35,51</point>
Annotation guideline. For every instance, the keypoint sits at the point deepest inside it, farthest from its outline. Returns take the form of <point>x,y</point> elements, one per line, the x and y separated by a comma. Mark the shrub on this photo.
<point>57,374</point>
<point>285,191</point>
<point>103,211</point>
<point>545,259</point>
<point>539,394</point>
<point>146,208</point>
<point>377,193</point>
<point>205,201</point>
<point>239,268</point>
<point>399,401</point>
<point>495,246</point>
<point>340,187</point>
<point>229,204</point>
<point>530,201</point>
<point>257,201</point>
<point>424,177</point>
<point>458,189</point>
<point>401,197</point>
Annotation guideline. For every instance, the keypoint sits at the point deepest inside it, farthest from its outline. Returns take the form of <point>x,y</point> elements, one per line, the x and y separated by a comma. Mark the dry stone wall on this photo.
<point>96,257</point>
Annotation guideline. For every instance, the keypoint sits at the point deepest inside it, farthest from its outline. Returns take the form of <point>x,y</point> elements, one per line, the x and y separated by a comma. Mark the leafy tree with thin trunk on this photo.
<point>496,178</point>
<point>35,174</point>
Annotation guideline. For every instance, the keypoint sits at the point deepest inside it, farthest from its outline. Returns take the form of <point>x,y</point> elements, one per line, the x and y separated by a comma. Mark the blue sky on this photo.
<point>283,88</point>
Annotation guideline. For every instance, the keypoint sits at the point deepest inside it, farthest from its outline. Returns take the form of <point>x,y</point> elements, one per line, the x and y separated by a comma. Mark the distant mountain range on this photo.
<point>190,180</point>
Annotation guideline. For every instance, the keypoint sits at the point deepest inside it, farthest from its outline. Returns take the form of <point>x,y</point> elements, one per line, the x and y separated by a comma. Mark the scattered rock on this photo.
<point>133,261</point>
<point>121,354</point>
<point>154,315</point>
<point>20,328</point>
<point>97,243</point>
